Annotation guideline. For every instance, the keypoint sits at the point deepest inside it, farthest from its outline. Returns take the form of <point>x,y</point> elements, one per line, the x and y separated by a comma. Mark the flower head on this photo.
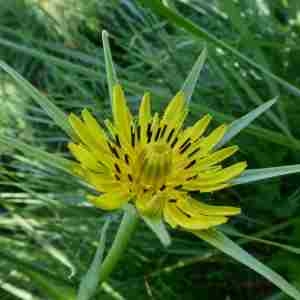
<point>154,162</point>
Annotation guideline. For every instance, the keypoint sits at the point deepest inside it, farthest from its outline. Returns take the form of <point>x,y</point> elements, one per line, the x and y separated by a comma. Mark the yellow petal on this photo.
<point>194,186</point>
<point>102,182</point>
<point>193,222</point>
<point>81,130</point>
<point>145,116</point>
<point>175,112</point>
<point>194,208</point>
<point>109,201</point>
<point>84,156</point>
<point>215,157</point>
<point>94,129</point>
<point>199,127</point>
<point>222,176</point>
<point>213,138</point>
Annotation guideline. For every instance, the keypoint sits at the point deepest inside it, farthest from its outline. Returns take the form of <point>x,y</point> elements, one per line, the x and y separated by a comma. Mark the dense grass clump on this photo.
<point>48,234</point>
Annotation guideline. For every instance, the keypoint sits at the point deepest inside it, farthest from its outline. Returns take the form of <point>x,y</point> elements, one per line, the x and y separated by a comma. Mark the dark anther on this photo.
<point>117,168</point>
<point>149,133</point>
<point>194,152</point>
<point>170,135</point>
<point>192,177</point>
<point>132,136</point>
<point>178,186</point>
<point>117,177</point>
<point>157,134</point>
<point>190,164</point>
<point>163,131</point>
<point>172,200</point>
<point>118,141</point>
<point>113,151</point>
<point>185,143</point>
<point>126,157</point>
<point>130,177</point>
<point>185,147</point>
<point>185,213</point>
<point>163,187</point>
<point>138,129</point>
<point>174,142</point>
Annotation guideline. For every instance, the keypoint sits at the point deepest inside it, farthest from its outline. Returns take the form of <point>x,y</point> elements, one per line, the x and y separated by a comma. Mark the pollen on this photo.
<point>154,162</point>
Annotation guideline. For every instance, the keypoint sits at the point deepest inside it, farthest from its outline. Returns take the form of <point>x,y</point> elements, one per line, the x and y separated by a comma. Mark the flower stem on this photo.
<point>125,231</point>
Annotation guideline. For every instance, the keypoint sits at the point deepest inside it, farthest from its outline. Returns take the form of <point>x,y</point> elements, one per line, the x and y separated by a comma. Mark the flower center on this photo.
<point>155,163</point>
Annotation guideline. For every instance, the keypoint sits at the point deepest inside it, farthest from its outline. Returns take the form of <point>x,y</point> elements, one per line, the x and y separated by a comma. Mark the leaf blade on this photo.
<point>226,245</point>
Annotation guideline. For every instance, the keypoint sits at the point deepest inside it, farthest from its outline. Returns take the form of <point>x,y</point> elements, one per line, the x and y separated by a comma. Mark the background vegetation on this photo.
<point>46,229</point>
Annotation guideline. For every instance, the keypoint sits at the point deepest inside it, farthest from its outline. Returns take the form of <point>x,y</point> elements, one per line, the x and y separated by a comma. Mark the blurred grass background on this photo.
<point>56,45</point>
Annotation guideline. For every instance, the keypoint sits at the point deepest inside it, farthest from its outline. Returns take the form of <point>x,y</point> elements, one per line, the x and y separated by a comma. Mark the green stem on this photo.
<point>125,231</point>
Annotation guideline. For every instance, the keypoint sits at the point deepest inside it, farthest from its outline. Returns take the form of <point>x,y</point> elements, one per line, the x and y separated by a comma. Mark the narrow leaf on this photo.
<point>55,113</point>
<point>253,175</point>
<point>109,65</point>
<point>226,245</point>
<point>239,124</point>
<point>190,82</point>
<point>46,245</point>
<point>89,283</point>
<point>233,232</point>
<point>199,32</point>
<point>17,292</point>
<point>158,227</point>
<point>50,285</point>
<point>50,159</point>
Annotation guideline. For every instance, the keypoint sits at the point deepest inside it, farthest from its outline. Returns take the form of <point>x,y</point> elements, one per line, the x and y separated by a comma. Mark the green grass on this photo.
<point>58,49</point>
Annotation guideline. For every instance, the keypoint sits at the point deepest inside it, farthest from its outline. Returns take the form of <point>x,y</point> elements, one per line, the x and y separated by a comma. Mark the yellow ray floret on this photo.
<point>154,163</point>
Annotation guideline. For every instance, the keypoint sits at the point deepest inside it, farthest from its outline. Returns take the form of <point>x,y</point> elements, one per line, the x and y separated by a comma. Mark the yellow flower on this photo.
<point>154,162</point>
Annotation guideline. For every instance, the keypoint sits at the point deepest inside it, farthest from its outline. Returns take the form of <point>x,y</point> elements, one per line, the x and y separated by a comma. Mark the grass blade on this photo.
<point>226,245</point>
<point>190,82</point>
<point>238,125</point>
<point>109,65</point>
<point>55,113</point>
<point>90,282</point>
<point>176,18</point>
<point>50,159</point>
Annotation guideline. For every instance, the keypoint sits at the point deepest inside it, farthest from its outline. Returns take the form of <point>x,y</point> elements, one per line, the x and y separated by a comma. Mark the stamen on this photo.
<point>174,142</point>
<point>186,142</point>
<point>117,177</point>
<point>172,200</point>
<point>185,213</point>
<point>192,177</point>
<point>118,141</point>
<point>117,168</point>
<point>185,147</point>
<point>130,177</point>
<point>157,134</point>
<point>163,131</point>
<point>113,151</point>
<point>149,133</point>
<point>132,137</point>
<point>194,152</point>
<point>138,129</point>
<point>163,187</point>
<point>178,186</point>
<point>190,164</point>
<point>170,135</point>
<point>126,157</point>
